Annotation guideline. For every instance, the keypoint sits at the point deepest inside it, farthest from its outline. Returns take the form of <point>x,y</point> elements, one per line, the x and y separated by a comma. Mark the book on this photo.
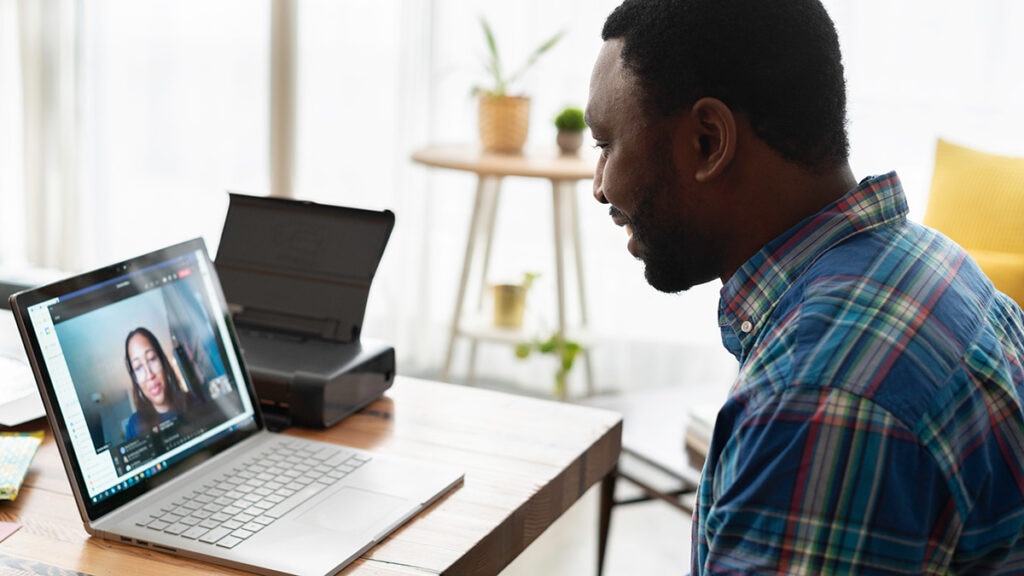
<point>17,449</point>
<point>697,436</point>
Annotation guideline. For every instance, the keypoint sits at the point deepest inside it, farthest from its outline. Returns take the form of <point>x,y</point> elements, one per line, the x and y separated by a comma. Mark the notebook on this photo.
<point>160,431</point>
<point>16,452</point>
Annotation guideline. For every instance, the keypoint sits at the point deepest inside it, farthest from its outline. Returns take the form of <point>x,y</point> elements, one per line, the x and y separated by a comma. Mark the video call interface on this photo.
<point>146,364</point>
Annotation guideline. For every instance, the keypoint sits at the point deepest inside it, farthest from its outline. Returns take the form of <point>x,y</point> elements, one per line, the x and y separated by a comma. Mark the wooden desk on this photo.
<point>563,171</point>
<point>526,462</point>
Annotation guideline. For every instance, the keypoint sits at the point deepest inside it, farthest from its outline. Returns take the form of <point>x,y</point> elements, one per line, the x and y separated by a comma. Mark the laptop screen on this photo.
<point>140,367</point>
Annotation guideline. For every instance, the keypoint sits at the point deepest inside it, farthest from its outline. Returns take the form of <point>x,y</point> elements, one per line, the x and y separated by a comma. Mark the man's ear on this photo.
<point>715,137</point>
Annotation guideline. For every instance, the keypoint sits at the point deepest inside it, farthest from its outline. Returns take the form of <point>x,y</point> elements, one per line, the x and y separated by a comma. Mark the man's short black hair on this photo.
<point>776,61</point>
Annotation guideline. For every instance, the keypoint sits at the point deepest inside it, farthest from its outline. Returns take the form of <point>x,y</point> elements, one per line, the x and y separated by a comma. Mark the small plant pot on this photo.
<point>509,304</point>
<point>504,123</point>
<point>569,141</point>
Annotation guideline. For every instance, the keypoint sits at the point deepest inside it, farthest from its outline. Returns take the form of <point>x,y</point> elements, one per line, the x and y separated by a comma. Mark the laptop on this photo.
<point>161,434</point>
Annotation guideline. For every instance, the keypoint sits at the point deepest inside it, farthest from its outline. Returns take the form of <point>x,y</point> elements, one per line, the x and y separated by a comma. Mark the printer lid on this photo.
<point>300,267</point>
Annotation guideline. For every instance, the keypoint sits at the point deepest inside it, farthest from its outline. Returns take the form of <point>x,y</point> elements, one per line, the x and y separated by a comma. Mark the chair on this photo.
<point>977,199</point>
<point>661,457</point>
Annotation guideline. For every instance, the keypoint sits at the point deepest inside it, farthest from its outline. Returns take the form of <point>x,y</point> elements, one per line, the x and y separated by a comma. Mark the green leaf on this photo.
<point>570,118</point>
<point>565,350</point>
<point>543,48</point>
<point>528,279</point>
<point>548,346</point>
<point>523,349</point>
<point>493,65</point>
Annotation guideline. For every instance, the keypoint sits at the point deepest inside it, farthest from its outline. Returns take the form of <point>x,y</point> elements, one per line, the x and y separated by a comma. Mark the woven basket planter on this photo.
<point>504,123</point>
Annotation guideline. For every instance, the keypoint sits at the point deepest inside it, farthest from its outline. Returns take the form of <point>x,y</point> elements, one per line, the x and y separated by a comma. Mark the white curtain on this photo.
<point>12,227</point>
<point>171,111</point>
<point>43,63</point>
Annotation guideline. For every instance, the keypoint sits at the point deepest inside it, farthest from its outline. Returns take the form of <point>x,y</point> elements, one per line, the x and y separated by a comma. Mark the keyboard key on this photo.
<point>253,527</point>
<point>214,535</point>
<point>294,500</point>
<point>176,528</point>
<point>194,532</point>
<point>229,542</point>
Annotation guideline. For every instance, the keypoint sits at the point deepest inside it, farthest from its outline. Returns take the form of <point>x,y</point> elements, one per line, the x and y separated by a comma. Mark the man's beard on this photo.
<point>672,257</point>
<point>664,270</point>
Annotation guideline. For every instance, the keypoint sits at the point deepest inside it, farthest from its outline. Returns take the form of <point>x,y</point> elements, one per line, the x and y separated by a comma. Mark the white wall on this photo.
<point>174,112</point>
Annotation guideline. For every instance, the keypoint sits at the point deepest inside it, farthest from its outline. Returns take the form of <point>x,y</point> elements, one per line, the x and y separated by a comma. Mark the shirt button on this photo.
<point>746,327</point>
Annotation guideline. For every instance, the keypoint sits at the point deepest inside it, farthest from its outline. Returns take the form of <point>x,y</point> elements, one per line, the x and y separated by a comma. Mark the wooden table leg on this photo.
<point>605,516</point>
<point>467,264</point>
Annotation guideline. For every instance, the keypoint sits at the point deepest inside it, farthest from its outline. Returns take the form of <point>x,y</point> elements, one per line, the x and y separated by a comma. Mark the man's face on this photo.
<point>645,174</point>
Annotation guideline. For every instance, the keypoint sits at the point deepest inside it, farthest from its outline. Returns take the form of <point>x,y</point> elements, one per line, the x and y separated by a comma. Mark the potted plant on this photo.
<point>510,302</point>
<point>504,118</point>
<point>564,350</point>
<point>570,125</point>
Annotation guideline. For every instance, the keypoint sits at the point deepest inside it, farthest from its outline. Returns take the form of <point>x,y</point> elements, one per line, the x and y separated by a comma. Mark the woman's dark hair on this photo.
<point>778,62</point>
<point>148,415</point>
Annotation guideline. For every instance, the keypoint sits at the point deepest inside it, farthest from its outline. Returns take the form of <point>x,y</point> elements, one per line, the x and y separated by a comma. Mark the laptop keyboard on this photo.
<point>250,497</point>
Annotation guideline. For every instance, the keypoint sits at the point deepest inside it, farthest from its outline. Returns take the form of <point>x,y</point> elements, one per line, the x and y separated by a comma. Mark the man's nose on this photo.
<point>599,186</point>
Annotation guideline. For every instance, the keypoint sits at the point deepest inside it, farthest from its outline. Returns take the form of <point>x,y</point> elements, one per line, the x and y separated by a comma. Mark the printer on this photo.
<point>297,276</point>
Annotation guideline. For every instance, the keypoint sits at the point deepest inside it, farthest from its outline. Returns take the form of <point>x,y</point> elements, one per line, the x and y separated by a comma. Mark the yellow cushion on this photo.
<point>1005,270</point>
<point>977,199</point>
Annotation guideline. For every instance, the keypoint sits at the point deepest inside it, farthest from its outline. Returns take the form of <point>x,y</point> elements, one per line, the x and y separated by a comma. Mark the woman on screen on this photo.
<point>158,395</point>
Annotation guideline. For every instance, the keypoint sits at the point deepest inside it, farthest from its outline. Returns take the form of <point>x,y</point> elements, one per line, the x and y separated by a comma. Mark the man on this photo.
<point>876,424</point>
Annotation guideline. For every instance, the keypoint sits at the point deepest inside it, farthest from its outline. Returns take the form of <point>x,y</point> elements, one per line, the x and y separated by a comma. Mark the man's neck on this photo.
<point>782,195</point>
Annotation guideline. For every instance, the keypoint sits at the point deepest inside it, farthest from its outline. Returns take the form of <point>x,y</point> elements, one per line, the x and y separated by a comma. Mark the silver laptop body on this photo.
<point>160,431</point>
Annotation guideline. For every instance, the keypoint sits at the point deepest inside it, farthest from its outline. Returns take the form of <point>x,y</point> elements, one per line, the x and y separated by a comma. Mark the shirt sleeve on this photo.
<point>823,481</point>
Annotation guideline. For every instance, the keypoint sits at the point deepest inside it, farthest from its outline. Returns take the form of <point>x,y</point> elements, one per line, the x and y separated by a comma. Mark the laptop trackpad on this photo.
<point>352,510</point>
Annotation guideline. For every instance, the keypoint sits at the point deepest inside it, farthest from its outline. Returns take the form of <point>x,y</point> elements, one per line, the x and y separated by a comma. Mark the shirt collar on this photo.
<point>748,298</point>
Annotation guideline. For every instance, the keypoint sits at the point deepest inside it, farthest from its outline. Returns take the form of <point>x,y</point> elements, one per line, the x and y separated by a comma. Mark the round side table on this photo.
<point>564,172</point>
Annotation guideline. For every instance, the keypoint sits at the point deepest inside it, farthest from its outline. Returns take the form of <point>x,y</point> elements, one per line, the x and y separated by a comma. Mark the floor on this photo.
<point>649,538</point>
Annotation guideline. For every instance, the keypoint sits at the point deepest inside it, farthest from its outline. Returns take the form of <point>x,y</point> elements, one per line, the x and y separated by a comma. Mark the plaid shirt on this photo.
<point>876,425</point>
